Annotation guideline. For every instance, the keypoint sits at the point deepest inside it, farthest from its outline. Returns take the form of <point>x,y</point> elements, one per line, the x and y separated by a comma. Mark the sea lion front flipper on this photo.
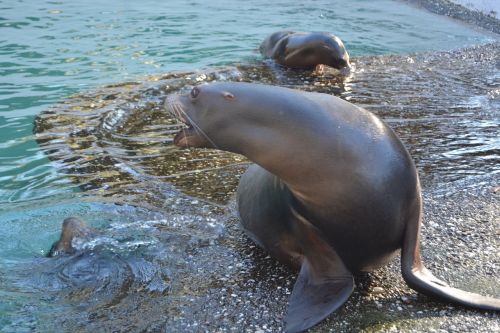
<point>315,297</point>
<point>324,282</point>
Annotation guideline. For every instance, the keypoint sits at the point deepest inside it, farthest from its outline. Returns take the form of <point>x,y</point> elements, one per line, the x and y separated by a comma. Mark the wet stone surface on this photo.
<point>197,272</point>
<point>176,260</point>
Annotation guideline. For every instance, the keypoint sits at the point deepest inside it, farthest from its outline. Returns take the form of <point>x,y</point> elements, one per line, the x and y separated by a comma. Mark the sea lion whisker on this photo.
<point>198,129</point>
<point>184,133</point>
<point>173,106</point>
<point>177,108</point>
<point>178,111</point>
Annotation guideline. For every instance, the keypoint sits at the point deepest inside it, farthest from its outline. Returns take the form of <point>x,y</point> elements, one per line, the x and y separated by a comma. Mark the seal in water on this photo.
<point>306,50</point>
<point>333,190</point>
<point>72,228</point>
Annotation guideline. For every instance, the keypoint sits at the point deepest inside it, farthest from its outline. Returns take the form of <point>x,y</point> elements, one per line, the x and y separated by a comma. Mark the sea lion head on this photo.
<point>200,110</point>
<point>309,50</point>
<point>72,228</point>
<point>229,115</point>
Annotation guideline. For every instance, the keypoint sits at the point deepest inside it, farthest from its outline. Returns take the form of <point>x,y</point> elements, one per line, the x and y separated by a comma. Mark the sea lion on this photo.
<point>72,228</point>
<point>333,191</point>
<point>306,50</point>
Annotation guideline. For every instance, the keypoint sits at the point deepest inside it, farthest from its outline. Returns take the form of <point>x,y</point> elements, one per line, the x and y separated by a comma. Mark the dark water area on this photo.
<point>176,260</point>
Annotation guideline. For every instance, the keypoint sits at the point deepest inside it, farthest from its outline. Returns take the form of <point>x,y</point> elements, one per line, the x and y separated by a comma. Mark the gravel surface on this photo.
<point>488,7</point>
<point>459,12</point>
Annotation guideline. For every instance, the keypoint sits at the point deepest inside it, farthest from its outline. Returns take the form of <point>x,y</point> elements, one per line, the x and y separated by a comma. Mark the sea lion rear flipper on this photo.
<point>422,280</point>
<point>315,297</point>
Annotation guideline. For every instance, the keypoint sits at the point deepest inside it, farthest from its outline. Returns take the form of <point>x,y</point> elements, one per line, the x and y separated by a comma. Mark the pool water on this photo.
<point>50,50</point>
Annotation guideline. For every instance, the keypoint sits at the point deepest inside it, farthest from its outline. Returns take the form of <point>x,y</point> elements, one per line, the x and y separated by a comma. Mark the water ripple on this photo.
<point>426,100</point>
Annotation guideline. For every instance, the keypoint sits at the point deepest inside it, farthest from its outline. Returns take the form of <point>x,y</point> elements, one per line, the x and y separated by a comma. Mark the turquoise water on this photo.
<point>52,49</point>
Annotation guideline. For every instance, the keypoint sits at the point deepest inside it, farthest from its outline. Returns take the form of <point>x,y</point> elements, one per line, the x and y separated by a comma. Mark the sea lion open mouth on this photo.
<point>174,107</point>
<point>182,138</point>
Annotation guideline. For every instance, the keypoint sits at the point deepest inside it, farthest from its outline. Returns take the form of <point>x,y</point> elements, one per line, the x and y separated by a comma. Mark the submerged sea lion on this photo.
<point>306,50</point>
<point>333,190</point>
<point>72,228</point>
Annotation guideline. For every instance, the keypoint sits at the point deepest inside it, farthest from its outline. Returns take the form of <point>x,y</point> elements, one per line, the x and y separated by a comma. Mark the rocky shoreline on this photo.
<point>459,12</point>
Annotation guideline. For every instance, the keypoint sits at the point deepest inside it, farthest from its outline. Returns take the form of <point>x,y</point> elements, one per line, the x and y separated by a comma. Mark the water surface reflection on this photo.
<point>443,106</point>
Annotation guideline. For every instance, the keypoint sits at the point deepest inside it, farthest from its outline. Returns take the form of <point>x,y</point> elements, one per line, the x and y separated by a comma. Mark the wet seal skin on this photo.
<point>333,191</point>
<point>72,228</point>
<point>306,50</point>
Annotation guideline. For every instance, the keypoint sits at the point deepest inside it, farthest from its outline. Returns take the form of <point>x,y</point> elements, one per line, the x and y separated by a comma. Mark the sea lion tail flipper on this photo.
<point>421,279</point>
<point>314,298</point>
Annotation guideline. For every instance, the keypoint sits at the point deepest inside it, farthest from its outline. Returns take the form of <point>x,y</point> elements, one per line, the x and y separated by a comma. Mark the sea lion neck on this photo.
<point>295,138</point>
<point>295,152</point>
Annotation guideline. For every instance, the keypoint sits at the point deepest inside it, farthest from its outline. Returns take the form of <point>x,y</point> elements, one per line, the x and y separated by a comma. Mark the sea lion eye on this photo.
<point>228,95</point>
<point>195,92</point>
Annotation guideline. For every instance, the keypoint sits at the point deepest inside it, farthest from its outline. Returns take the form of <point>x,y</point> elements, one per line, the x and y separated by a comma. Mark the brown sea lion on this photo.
<point>72,228</point>
<point>333,190</point>
<point>306,50</point>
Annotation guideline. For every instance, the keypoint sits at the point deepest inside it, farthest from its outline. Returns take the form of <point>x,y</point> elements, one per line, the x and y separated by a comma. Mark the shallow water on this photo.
<point>158,205</point>
<point>120,137</point>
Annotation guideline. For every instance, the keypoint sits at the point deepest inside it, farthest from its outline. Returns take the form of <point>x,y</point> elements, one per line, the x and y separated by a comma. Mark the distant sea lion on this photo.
<point>72,228</point>
<point>306,50</point>
<point>333,190</point>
